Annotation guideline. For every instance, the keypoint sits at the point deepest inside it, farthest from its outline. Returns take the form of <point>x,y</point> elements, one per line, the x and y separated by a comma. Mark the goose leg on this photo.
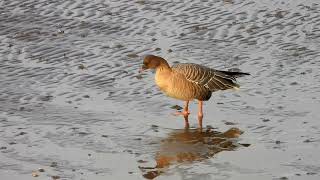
<point>200,114</point>
<point>185,114</point>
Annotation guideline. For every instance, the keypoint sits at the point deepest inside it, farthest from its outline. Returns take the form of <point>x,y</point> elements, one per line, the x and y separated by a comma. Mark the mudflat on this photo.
<point>73,105</point>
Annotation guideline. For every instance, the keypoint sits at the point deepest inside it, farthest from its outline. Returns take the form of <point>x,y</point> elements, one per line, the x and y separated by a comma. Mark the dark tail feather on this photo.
<point>235,74</point>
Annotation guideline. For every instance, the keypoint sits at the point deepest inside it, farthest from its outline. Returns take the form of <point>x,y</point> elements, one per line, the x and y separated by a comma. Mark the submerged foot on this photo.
<point>183,113</point>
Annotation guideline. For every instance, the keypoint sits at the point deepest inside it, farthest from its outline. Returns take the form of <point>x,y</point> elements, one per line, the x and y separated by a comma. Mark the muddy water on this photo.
<point>73,104</point>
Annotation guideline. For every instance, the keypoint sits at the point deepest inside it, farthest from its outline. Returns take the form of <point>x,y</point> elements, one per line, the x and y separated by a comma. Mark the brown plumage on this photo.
<point>188,81</point>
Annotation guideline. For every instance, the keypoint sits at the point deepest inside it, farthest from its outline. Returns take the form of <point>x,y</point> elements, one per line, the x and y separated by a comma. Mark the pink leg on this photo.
<point>200,114</point>
<point>185,114</point>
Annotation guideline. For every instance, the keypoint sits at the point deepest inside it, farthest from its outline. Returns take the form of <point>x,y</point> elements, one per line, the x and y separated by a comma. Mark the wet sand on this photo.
<point>72,101</point>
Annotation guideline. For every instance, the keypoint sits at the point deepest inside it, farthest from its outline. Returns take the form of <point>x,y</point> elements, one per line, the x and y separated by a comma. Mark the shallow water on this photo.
<point>73,103</point>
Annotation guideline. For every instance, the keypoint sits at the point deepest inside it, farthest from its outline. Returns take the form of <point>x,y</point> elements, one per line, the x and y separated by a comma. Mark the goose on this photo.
<point>189,81</point>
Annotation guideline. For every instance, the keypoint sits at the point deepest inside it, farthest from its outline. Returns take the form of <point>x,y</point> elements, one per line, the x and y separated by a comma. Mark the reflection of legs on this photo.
<point>200,114</point>
<point>185,114</point>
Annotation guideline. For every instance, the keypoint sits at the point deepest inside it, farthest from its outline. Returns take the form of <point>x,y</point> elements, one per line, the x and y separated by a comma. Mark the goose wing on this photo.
<point>211,79</point>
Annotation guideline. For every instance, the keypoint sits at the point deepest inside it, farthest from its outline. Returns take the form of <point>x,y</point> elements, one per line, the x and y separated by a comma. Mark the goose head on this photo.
<point>153,62</point>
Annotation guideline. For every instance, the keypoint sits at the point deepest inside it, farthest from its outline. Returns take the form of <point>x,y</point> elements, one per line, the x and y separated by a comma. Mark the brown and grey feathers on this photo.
<point>211,79</point>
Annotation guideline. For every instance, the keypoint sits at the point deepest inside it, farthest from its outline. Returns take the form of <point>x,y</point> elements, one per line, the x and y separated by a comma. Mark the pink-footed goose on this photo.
<point>188,81</point>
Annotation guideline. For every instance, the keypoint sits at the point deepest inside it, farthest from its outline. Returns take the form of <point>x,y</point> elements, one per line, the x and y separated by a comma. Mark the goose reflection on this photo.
<point>191,145</point>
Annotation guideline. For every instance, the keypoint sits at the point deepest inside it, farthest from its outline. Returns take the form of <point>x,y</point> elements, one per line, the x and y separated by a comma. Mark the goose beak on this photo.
<point>143,67</point>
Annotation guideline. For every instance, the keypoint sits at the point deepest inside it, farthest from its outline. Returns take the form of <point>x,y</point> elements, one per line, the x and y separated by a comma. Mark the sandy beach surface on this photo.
<point>73,104</point>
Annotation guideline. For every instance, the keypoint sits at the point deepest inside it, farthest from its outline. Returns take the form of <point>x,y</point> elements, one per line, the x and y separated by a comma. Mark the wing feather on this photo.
<point>211,79</point>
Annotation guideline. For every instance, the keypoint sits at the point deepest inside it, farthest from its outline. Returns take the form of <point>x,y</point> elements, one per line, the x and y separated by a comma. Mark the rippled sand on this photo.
<point>72,101</point>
